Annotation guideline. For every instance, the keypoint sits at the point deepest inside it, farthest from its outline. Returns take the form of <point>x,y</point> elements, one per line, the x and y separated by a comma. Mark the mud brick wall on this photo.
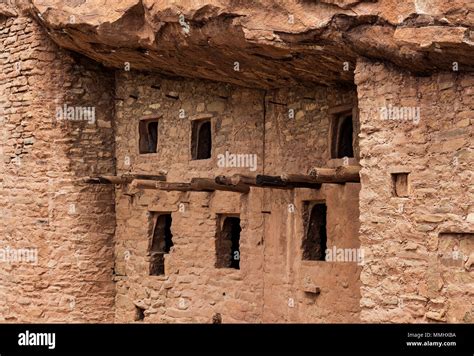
<point>271,270</point>
<point>413,272</point>
<point>43,205</point>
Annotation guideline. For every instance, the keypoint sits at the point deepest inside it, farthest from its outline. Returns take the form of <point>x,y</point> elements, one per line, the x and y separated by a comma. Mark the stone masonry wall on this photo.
<point>289,280</point>
<point>269,287</point>
<point>83,249</point>
<point>417,246</point>
<point>194,290</point>
<point>43,205</point>
<point>293,146</point>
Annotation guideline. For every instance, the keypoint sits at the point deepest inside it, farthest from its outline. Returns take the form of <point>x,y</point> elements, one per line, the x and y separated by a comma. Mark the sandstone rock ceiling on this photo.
<point>276,43</point>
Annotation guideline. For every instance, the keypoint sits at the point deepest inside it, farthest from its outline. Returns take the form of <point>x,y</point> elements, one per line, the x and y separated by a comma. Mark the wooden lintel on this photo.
<point>123,179</point>
<point>286,182</point>
<point>210,184</point>
<point>342,174</point>
<point>265,181</point>
<point>152,117</point>
<point>196,184</point>
<point>104,180</point>
<point>340,109</point>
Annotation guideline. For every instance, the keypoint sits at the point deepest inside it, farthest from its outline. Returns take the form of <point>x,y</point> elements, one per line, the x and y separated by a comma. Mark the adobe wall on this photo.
<point>269,287</point>
<point>412,271</point>
<point>43,206</point>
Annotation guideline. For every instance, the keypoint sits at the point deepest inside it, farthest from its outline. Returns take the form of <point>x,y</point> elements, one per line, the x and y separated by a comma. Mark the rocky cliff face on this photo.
<point>263,43</point>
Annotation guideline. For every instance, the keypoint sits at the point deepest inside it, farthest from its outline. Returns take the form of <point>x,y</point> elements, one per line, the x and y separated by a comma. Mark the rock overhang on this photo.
<point>263,44</point>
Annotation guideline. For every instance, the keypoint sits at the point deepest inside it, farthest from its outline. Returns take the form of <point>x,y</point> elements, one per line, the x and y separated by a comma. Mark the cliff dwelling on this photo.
<point>236,162</point>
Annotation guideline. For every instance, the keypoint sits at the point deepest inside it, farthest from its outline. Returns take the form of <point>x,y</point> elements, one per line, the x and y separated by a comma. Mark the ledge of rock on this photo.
<point>264,43</point>
<point>7,10</point>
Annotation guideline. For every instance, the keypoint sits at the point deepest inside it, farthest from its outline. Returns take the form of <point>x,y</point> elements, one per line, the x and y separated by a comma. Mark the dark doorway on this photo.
<point>148,130</point>
<point>228,243</point>
<point>161,243</point>
<point>342,137</point>
<point>315,239</point>
<point>201,143</point>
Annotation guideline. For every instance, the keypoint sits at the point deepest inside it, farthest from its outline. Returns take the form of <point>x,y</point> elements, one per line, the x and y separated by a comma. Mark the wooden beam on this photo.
<point>264,181</point>
<point>196,185</point>
<point>314,180</point>
<point>104,180</point>
<point>286,182</point>
<point>210,184</point>
<point>132,176</point>
<point>236,180</point>
<point>123,179</point>
<point>152,184</point>
<point>298,178</point>
<point>342,174</point>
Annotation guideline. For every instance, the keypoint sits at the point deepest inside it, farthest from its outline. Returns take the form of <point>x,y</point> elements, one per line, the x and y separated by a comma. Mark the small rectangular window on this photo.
<point>228,242</point>
<point>139,313</point>
<point>400,186</point>
<point>148,131</point>
<point>161,243</point>
<point>201,139</point>
<point>315,239</point>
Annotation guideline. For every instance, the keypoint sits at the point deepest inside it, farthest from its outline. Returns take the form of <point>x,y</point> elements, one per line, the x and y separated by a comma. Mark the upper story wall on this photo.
<point>289,130</point>
<point>236,118</point>
<point>300,125</point>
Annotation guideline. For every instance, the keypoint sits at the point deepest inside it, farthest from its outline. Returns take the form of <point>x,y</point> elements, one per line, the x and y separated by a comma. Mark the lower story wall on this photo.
<point>273,283</point>
<point>290,283</point>
<point>193,290</point>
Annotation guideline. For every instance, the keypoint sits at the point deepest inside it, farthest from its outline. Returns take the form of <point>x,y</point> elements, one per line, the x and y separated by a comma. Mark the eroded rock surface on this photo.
<point>266,43</point>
